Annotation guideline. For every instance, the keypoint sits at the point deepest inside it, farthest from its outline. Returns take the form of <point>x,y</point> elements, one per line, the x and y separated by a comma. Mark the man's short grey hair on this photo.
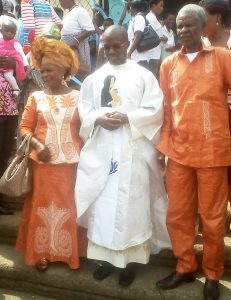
<point>194,9</point>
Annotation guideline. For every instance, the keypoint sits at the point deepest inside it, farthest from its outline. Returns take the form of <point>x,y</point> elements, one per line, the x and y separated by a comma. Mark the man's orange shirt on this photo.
<point>196,123</point>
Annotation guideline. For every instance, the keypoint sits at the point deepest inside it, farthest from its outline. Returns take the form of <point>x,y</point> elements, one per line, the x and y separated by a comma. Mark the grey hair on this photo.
<point>8,21</point>
<point>194,9</point>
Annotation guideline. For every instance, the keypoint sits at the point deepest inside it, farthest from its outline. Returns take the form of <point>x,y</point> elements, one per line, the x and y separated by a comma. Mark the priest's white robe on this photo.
<point>120,195</point>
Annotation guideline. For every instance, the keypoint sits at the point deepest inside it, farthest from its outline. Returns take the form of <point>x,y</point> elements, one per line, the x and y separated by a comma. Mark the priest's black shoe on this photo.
<point>174,280</point>
<point>127,275</point>
<point>211,290</point>
<point>103,271</point>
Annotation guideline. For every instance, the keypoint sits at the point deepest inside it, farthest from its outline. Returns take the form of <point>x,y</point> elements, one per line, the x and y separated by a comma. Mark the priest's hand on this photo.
<point>107,121</point>
<point>122,117</point>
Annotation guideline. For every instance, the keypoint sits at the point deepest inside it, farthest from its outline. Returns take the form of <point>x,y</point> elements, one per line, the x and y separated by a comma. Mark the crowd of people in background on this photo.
<point>108,121</point>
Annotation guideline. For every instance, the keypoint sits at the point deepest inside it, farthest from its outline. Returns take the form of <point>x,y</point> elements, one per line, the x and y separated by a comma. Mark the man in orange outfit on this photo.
<point>196,139</point>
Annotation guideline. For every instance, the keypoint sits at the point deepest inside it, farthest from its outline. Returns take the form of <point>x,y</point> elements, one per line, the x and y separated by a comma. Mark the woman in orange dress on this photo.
<point>48,229</point>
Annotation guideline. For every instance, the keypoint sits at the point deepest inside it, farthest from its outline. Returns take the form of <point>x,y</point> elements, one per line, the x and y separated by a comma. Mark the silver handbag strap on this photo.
<point>25,145</point>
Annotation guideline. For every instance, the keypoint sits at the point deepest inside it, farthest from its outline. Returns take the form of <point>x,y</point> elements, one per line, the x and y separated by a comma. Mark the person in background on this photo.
<point>8,8</point>
<point>77,27</point>
<point>156,9</point>
<point>48,231</point>
<point>59,12</point>
<point>107,23</point>
<point>20,30</point>
<point>94,38</point>
<point>138,9</point>
<point>196,139</point>
<point>8,121</point>
<point>9,46</point>
<point>168,30</point>
<point>101,58</point>
<point>120,193</point>
<point>35,15</point>
<point>124,12</point>
<point>217,30</point>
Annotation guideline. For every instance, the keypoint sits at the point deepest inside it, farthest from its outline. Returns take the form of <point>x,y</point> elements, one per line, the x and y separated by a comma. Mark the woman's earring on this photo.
<point>63,81</point>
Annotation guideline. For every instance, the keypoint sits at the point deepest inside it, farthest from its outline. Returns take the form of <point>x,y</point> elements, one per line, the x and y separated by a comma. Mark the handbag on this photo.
<point>150,38</point>
<point>17,179</point>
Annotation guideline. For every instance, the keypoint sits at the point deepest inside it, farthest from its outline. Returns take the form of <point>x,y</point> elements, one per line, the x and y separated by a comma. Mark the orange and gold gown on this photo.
<point>48,226</point>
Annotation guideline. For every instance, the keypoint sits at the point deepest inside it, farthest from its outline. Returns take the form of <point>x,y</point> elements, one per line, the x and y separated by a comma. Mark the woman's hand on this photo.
<point>7,62</point>
<point>74,44</point>
<point>44,154</point>
<point>77,39</point>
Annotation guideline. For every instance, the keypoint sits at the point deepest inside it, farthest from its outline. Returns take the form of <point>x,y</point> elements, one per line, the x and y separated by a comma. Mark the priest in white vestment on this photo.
<point>120,195</point>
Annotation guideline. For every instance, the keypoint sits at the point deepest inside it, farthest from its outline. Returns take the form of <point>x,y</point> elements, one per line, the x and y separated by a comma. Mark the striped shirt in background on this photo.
<point>35,15</point>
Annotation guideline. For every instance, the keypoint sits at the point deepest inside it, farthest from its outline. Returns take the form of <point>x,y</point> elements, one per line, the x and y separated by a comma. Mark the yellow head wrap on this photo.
<point>54,52</point>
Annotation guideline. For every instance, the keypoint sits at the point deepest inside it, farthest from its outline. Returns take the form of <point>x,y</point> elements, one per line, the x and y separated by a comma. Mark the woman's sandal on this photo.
<point>42,264</point>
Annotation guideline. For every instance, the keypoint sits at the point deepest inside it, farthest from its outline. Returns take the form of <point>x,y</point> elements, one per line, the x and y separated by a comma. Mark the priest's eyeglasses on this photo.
<point>115,46</point>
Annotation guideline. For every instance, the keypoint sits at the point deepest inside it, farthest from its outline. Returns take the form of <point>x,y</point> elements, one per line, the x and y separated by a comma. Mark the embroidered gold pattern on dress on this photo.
<point>206,119</point>
<point>67,145</point>
<point>59,112</point>
<point>51,138</point>
<point>51,238</point>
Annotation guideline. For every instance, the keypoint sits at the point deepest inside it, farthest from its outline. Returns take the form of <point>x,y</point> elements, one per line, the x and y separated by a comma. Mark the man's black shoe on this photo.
<point>127,275</point>
<point>211,290</point>
<point>174,280</point>
<point>103,271</point>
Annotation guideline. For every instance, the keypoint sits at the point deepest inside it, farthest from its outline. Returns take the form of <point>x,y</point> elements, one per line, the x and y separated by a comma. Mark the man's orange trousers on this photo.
<point>192,190</point>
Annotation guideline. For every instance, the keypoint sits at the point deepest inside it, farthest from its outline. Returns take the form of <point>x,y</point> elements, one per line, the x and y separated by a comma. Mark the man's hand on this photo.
<point>161,160</point>
<point>107,121</point>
